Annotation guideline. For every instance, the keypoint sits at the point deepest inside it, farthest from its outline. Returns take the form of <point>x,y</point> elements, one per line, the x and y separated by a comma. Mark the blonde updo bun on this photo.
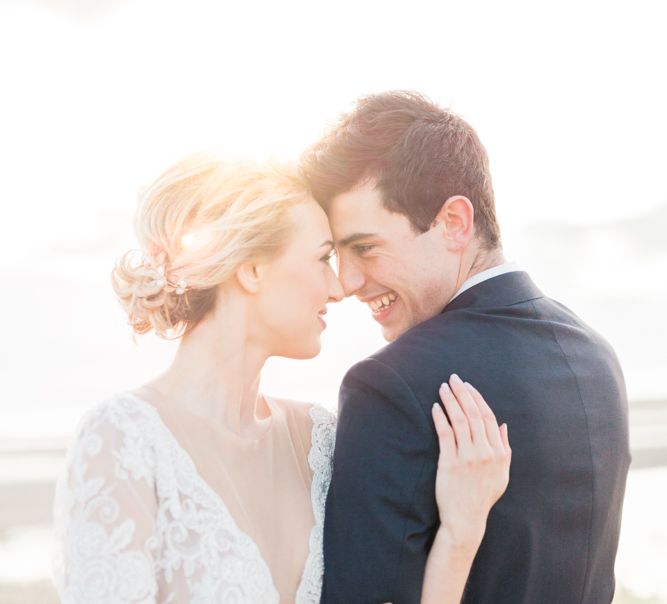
<point>196,225</point>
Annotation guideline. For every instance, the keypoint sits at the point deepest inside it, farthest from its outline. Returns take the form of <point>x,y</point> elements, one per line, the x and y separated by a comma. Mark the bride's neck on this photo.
<point>215,375</point>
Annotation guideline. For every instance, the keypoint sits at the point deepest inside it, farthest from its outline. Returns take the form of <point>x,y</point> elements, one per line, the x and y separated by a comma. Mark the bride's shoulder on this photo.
<point>119,414</point>
<point>116,439</point>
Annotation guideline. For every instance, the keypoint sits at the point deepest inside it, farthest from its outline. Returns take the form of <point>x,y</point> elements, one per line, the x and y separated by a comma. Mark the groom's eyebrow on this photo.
<point>353,238</point>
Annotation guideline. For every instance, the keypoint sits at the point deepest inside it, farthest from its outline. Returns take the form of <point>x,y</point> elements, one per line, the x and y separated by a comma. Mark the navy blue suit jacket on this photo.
<point>553,536</point>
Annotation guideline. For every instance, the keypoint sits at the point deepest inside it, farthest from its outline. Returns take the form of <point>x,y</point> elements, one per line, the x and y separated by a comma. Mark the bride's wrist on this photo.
<point>463,539</point>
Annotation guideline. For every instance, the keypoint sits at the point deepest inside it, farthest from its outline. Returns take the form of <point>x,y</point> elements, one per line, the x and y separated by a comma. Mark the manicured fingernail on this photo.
<point>468,385</point>
<point>455,377</point>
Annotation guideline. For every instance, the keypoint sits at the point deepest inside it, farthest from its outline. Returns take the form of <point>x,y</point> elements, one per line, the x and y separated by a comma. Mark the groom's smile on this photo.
<point>380,305</point>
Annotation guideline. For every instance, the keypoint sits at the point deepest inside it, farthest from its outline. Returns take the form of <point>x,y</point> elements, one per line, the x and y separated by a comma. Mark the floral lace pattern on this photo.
<point>136,523</point>
<point>320,460</point>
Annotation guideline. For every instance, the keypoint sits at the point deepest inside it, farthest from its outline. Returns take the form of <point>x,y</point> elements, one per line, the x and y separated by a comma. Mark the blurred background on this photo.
<point>100,96</point>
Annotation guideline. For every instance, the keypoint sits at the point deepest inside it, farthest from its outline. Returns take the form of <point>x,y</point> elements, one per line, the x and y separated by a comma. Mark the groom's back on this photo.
<point>553,536</point>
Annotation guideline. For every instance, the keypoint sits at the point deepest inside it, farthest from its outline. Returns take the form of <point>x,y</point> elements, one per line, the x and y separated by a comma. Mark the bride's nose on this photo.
<point>336,293</point>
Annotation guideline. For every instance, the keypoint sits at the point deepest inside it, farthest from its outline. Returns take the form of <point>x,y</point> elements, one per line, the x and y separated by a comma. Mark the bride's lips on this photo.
<point>321,320</point>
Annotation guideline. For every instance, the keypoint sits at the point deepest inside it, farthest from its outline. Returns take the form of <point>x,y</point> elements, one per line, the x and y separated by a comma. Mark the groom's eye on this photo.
<point>362,249</point>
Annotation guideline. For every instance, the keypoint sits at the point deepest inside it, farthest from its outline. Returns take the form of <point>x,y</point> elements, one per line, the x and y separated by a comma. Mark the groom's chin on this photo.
<point>398,326</point>
<point>391,333</point>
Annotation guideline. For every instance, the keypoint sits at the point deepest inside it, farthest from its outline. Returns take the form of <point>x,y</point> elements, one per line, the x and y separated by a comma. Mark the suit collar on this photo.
<point>503,290</point>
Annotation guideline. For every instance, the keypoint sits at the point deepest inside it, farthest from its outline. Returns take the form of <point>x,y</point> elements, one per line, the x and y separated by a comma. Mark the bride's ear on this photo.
<point>249,275</point>
<point>457,220</point>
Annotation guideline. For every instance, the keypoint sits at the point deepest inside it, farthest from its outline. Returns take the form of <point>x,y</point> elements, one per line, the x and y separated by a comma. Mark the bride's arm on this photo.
<point>473,472</point>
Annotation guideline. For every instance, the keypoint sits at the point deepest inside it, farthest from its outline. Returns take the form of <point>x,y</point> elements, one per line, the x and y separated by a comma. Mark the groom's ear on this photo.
<point>457,222</point>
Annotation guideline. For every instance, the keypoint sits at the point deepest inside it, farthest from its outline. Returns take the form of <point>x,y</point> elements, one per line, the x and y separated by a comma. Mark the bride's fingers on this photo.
<point>470,409</point>
<point>488,417</point>
<point>504,437</point>
<point>445,433</point>
<point>457,417</point>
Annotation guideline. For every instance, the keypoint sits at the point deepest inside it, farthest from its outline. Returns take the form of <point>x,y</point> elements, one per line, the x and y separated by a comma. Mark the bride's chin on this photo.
<point>302,351</point>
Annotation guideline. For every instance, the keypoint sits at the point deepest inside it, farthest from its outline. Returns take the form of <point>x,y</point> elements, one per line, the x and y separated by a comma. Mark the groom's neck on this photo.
<point>484,260</point>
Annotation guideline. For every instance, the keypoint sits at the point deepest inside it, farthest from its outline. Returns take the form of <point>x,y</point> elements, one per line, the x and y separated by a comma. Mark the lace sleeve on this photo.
<point>104,513</point>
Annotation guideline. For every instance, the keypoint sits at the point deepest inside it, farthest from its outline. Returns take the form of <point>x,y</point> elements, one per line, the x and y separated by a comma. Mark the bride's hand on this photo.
<point>474,462</point>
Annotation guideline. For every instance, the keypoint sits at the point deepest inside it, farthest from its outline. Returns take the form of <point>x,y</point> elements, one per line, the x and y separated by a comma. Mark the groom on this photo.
<point>408,192</point>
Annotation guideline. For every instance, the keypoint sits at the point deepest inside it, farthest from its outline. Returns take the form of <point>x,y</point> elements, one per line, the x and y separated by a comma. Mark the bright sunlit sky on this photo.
<point>99,96</point>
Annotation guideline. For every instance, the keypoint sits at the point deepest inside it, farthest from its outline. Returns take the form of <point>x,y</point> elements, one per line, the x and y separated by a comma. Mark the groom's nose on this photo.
<point>352,279</point>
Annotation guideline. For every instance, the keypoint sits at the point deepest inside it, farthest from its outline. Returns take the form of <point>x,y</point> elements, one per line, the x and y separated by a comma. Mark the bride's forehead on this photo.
<point>310,221</point>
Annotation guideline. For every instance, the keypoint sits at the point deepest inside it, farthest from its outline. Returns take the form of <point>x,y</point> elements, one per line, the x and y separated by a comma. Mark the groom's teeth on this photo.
<point>382,302</point>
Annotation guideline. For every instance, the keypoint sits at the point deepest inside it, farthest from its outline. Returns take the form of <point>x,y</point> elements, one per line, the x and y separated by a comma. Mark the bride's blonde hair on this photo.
<point>196,225</point>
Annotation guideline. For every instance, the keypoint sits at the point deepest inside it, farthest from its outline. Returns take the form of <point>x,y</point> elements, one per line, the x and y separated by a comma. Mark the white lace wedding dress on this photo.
<point>135,521</point>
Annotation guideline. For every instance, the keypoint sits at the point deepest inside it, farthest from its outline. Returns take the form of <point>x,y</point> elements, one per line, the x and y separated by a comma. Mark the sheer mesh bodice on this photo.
<point>147,515</point>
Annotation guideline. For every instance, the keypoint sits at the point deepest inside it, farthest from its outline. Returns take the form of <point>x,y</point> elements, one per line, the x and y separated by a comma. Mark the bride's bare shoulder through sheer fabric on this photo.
<point>138,522</point>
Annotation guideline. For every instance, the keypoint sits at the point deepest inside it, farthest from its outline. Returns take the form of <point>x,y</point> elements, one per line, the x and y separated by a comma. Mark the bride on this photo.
<point>198,488</point>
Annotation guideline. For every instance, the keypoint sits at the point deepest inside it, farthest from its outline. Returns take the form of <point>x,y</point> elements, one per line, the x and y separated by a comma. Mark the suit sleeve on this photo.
<point>381,515</point>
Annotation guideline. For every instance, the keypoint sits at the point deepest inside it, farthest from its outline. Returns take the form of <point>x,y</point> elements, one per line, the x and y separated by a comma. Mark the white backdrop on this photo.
<point>100,96</point>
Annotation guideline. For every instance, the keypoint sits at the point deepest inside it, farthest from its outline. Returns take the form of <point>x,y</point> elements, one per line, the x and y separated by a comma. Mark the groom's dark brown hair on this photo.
<point>417,153</point>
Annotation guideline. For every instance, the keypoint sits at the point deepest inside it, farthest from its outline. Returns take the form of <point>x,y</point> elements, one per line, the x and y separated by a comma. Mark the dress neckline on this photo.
<point>315,485</point>
<point>267,423</point>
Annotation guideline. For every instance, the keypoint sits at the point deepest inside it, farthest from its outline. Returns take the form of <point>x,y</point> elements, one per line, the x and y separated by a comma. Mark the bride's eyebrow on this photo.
<point>328,243</point>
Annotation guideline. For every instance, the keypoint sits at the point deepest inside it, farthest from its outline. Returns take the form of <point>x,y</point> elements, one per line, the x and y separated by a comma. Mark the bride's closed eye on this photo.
<point>328,257</point>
